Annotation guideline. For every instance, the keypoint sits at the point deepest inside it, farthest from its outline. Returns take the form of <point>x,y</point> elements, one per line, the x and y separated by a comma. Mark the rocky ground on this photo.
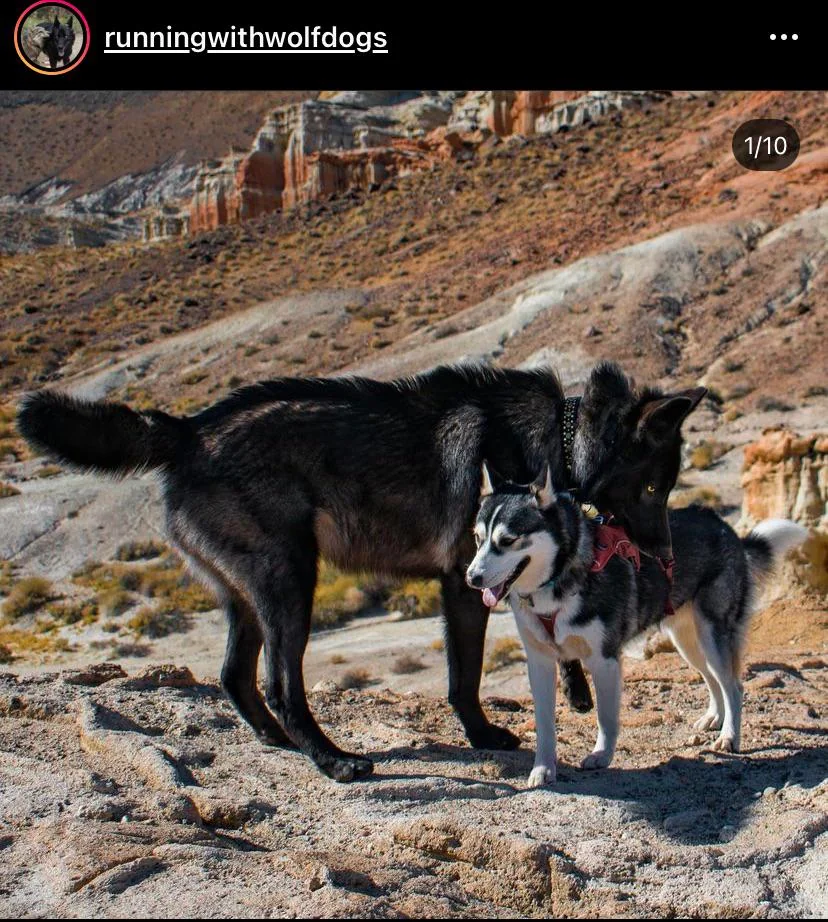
<point>142,794</point>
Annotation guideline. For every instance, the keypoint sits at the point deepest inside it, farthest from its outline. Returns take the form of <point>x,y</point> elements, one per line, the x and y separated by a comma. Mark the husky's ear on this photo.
<point>663,416</point>
<point>486,485</point>
<point>541,488</point>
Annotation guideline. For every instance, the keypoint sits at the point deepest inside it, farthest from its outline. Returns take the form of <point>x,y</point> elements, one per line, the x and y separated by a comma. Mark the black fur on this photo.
<point>105,437</point>
<point>59,43</point>
<point>371,475</point>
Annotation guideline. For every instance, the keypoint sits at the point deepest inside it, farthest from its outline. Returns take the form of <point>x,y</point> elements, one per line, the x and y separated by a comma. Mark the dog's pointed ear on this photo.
<point>486,485</point>
<point>56,22</point>
<point>664,415</point>
<point>542,488</point>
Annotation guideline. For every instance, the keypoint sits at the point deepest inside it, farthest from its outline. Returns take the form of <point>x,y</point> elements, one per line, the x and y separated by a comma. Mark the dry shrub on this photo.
<point>158,622</point>
<point>74,613</point>
<point>407,664</point>
<point>504,652</point>
<point>707,453</point>
<point>339,596</point>
<point>354,678</point>
<point>419,598</point>
<point>702,496</point>
<point>140,550</point>
<point>27,595</point>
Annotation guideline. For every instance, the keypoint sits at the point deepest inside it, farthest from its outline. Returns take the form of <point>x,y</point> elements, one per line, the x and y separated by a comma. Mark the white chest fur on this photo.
<point>570,641</point>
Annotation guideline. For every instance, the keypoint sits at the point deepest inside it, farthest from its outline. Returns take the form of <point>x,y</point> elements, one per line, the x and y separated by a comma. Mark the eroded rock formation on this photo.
<point>786,476</point>
<point>341,141</point>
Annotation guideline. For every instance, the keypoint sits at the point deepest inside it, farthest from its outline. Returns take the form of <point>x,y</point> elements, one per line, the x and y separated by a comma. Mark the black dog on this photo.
<point>374,476</point>
<point>59,42</point>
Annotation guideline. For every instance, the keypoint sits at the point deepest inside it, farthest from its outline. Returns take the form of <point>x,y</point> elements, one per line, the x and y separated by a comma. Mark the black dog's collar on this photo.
<point>570,422</point>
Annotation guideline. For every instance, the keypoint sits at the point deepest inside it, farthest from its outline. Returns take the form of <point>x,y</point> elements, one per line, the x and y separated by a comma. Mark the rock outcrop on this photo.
<point>324,147</point>
<point>786,476</point>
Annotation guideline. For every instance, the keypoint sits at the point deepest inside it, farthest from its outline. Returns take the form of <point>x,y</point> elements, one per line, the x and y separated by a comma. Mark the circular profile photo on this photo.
<point>52,38</point>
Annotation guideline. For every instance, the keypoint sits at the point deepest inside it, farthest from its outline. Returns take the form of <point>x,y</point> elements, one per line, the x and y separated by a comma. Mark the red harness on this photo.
<point>612,540</point>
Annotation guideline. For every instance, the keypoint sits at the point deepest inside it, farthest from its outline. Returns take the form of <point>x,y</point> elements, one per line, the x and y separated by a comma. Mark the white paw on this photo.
<point>709,722</point>
<point>598,759</point>
<point>540,776</point>
<point>726,744</point>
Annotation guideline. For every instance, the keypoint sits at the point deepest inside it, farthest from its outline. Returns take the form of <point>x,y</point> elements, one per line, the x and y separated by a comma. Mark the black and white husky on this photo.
<point>539,548</point>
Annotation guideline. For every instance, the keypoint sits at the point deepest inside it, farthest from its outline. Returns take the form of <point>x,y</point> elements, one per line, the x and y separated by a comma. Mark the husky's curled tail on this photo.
<point>767,543</point>
<point>98,436</point>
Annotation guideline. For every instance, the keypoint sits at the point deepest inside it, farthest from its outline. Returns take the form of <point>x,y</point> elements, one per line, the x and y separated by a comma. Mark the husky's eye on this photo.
<point>651,488</point>
<point>506,541</point>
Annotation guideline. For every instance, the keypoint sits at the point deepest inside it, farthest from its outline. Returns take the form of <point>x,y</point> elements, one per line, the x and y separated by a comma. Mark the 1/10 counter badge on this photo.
<point>766,144</point>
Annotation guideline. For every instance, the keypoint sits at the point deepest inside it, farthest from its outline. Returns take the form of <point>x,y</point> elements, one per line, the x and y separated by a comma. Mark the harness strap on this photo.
<point>611,540</point>
<point>548,623</point>
<point>667,569</point>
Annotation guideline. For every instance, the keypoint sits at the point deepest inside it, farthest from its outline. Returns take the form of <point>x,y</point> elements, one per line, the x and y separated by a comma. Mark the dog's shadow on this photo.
<point>694,801</point>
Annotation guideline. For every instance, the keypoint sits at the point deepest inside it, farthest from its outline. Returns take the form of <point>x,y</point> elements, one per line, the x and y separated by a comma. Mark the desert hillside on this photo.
<point>516,229</point>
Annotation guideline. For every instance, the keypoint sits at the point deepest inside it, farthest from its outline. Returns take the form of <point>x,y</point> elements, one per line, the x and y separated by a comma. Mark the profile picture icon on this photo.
<point>52,38</point>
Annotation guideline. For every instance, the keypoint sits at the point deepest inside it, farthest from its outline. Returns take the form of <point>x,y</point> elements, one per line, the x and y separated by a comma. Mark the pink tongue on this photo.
<point>492,596</point>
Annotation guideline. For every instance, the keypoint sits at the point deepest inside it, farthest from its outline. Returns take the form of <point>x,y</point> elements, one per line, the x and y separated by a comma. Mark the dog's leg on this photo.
<point>282,587</point>
<point>682,631</point>
<point>542,681</point>
<point>244,643</point>
<point>575,686</point>
<point>606,674</point>
<point>466,618</point>
<point>720,663</point>
<point>238,676</point>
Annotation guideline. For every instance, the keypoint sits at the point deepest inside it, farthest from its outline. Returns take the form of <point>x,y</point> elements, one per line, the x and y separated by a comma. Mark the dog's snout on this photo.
<point>475,580</point>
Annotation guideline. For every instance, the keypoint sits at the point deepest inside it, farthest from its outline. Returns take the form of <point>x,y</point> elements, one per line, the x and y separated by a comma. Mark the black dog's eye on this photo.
<point>651,488</point>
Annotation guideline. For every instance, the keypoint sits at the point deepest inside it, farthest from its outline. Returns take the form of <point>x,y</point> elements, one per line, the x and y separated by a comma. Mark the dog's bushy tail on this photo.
<point>100,436</point>
<point>769,540</point>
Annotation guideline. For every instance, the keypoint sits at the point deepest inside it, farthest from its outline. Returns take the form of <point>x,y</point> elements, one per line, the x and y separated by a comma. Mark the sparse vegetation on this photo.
<point>703,496</point>
<point>407,664</point>
<point>337,659</point>
<point>771,404</point>
<point>165,579</point>
<point>6,489</point>
<point>140,550</point>
<point>339,596</point>
<point>158,622</point>
<point>504,652</point>
<point>74,613</point>
<point>22,641</point>
<point>355,678</point>
<point>438,645</point>
<point>417,598</point>
<point>27,595</point>
<point>706,453</point>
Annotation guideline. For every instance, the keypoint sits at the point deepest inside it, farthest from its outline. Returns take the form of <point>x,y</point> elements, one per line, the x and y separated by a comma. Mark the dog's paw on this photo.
<point>725,744</point>
<point>598,759</point>
<point>709,722</point>
<point>347,767</point>
<point>492,737</point>
<point>540,776</point>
